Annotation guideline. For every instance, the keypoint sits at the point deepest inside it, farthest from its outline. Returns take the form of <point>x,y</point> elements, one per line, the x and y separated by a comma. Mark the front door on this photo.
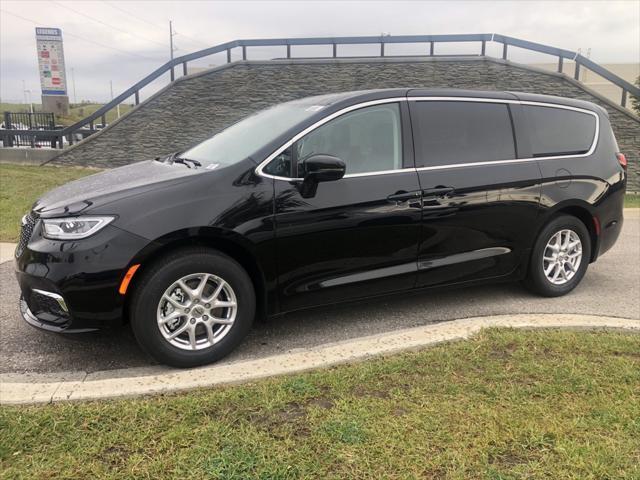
<point>357,236</point>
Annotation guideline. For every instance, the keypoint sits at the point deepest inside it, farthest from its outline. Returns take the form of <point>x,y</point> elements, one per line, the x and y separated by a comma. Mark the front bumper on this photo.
<point>72,286</point>
<point>49,321</point>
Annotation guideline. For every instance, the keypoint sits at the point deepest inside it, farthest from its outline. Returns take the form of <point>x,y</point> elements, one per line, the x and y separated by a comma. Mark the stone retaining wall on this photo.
<point>194,107</point>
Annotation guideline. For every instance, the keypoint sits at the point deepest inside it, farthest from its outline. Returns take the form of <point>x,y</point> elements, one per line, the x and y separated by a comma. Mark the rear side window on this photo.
<point>556,131</point>
<point>453,132</point>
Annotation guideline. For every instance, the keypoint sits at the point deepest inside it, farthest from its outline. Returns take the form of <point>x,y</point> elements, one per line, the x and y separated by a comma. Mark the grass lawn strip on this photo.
<point>506,404</point>
<point>21,185</point>
<point>632,201</point>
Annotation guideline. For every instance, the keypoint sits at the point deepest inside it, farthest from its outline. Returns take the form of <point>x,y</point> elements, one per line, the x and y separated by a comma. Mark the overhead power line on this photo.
<point>131,14</point>
<point>93,19</point>
<point>70,34</point>
<point>153,24</point>
<point>193,39</point>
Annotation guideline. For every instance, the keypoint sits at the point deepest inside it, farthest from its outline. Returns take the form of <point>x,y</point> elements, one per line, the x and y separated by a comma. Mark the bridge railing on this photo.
<point>87,124</point>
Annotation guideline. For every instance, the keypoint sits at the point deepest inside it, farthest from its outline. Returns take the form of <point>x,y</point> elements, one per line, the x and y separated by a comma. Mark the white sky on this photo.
<point>137,31</point>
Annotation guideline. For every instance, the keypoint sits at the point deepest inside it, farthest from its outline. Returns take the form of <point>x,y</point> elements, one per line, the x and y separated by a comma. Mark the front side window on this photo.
<point>367,140</point>
<point>455,132</point>
<point>558,131</point>
<point>281,165</point>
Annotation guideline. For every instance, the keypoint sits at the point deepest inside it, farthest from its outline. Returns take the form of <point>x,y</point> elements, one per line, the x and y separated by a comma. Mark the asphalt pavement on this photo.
<point>611,287</point>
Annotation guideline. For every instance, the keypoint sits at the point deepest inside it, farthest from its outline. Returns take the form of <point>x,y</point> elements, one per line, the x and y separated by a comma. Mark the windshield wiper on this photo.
<point>176,158</point>
<point>187,161</point>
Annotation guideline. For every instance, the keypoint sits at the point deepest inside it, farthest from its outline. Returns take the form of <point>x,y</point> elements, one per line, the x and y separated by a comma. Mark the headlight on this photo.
<point>73,228</point>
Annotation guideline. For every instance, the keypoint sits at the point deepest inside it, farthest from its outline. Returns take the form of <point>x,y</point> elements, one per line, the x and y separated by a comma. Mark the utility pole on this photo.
<point>171,39</point>
<point>117,106</point>
<point>73,83</point>
<point>581,72</point>
<point>584,75</point>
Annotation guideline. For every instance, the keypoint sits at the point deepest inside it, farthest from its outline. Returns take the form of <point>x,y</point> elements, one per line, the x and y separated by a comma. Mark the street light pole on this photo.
<point>30,101</point>
<point>73,82</point>
<point>24,92</point>
<point>24,95</point>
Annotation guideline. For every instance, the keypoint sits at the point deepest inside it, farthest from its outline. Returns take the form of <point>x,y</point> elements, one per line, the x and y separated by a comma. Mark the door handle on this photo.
<point>403,196</point>
<point>437,191</point>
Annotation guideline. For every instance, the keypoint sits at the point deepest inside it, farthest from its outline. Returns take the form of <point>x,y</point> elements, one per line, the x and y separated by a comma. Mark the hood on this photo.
<point>111,185</point>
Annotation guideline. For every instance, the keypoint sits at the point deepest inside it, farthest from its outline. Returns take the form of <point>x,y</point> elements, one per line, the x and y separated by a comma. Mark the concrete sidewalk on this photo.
<point>47,388</point>
<point>6,251</point>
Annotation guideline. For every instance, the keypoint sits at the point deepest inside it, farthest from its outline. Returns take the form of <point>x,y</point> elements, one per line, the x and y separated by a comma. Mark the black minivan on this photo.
<point>322,200</point>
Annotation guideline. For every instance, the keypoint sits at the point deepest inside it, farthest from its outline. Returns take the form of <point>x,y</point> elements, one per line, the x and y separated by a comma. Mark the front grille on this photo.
<point>28,222</point>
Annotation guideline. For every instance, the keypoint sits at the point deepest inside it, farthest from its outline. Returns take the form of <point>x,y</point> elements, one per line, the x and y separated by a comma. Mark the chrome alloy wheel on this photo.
<point>197,311</point>
<point>562,257</point>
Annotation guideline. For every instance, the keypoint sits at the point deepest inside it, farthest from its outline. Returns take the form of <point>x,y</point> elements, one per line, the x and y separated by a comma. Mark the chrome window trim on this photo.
<point>592,148</point>
<point>319,123</point>
<point>260,168</point>
<point>596,133</point>
<point>379,172</point>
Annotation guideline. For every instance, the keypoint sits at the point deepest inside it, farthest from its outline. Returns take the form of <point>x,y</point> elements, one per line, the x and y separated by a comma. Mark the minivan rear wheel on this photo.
<point>560,257</point>
<point>192,307</point>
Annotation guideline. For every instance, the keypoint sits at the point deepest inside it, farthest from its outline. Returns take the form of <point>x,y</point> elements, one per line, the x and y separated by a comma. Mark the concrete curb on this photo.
<point>47,388</point>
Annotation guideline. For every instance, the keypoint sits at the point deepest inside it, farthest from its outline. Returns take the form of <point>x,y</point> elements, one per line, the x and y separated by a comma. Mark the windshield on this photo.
<point>246,137</point>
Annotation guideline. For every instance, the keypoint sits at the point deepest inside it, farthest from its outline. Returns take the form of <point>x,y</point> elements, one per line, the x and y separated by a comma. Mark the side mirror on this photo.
<point>322,168</point>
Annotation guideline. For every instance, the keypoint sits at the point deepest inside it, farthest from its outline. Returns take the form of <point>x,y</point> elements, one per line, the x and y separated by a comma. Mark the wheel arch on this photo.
<point>584,212</point>
<point>228,242</point>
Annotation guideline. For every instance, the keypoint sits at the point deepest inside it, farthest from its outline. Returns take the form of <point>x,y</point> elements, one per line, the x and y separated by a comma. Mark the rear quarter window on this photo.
<point>555,131</point>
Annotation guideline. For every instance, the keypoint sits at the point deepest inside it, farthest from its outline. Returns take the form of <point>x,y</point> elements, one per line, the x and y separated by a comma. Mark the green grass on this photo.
<point>632,201</point>
<point>22,185</point>
<point>505,405</point>
<point>80,111</point>
<point>77,111</point>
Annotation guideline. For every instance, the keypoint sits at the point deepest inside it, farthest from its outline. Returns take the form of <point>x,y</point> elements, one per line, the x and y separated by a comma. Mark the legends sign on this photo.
<point>51,61</point>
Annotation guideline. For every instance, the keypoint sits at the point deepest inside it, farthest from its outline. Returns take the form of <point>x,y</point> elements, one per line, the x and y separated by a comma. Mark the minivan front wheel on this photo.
<point>193,307</point>
<point>560,257</point>
<point>197,311</point>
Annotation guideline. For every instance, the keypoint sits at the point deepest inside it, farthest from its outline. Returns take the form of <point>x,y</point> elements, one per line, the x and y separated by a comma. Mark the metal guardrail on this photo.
<point>26,123</point>
<point>28,120</point>
<point>87,124</point>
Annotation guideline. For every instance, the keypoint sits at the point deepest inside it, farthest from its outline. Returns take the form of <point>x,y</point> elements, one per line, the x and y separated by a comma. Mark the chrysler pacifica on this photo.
<point>323,200</point>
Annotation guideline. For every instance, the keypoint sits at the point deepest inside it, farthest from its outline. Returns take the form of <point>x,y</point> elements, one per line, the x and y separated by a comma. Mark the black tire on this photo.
<point>536,280</point>
<point>152,285</point>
